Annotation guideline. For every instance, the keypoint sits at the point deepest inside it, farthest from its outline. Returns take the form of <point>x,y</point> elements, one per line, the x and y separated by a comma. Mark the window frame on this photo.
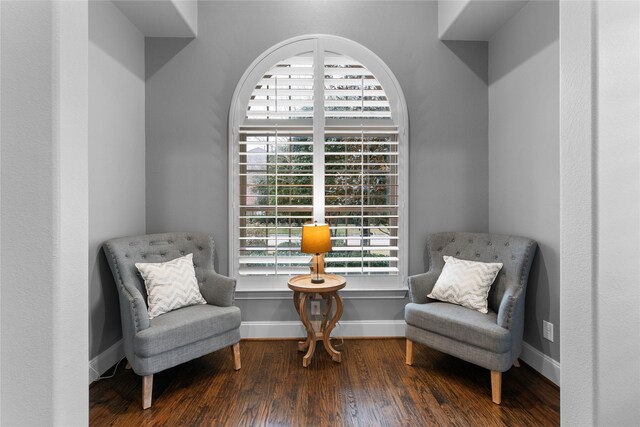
<point>318,43</point>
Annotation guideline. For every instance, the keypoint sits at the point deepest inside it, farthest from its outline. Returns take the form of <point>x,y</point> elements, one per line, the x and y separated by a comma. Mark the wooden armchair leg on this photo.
<point>496,387</point>
<point>409,360</point>
<point>516,363</point>
<point>236,356</point>
<point>147,389</point>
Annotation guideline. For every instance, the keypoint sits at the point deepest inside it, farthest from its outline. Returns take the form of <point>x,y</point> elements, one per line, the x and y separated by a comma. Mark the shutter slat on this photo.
<point>278,114</point>
<point>331,93</point>
<point>286,82</point>
<point>356,114</point>
<point>262,271</point>
<point>282,103</point>
<point>347,83</point>
<point>347,71</point>
<point>347,270</point>
<point>272,259</point>
<point>331,260</point>
<point>355,103</point>
<point>282,92</point>
<point>341,248</point>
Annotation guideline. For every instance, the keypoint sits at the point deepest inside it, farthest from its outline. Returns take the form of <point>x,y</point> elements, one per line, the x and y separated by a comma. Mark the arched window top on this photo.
<point>306,75</point>
<point>349,90</point>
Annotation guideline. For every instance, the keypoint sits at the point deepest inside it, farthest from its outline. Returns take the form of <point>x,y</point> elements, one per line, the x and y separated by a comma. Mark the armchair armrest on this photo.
<point>137,312</point>
<point>137,307</point>
<point>509,307</point>
<point>421,285</point>
<point>218,289</point>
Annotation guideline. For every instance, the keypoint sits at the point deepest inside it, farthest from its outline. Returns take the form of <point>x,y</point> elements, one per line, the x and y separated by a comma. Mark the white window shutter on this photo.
<point>360,181</point>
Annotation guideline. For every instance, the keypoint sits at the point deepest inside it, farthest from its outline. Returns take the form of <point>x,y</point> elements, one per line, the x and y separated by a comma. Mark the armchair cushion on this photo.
<point>185,326</point>
<point>461,324</point>
<point>465,283</point>
<point>170,285</point>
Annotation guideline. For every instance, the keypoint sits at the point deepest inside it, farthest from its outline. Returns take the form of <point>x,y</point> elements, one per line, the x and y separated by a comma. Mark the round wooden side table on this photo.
<point>302,289</point>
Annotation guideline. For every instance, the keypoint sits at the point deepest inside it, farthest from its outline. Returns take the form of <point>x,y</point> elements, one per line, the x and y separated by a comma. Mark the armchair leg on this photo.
<point>496,387</point>
<point>147,388</point>
<point>236,356</point>
<point>409,360</point>
<point>516,363</point>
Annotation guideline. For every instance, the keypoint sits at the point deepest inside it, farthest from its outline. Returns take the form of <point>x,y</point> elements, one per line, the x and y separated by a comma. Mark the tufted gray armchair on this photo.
<point>180,335</point>
<point>492,340</point>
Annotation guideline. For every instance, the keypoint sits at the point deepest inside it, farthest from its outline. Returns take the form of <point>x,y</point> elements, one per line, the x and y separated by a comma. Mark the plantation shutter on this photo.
<point>361,196</point>
<point>351,91</point>
<point>285,92</point>
<point>276,198</point>
<point>361,171</point>
<point>356,169</point>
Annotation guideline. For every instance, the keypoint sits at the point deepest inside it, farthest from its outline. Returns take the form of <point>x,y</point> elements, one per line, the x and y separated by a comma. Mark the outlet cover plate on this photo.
<point>547,330</point>
<point>315,308</point>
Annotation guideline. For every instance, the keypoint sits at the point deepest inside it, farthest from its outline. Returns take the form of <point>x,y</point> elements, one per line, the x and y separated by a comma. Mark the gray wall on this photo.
<point>600,215</point>
<point>524,182</point>
<point>189,90</point>
<point>43,216</point>
<point>617,215</point>
<point>116,157</point>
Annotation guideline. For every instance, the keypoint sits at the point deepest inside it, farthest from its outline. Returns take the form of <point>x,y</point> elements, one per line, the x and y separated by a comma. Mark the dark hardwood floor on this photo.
<point>371,387</point>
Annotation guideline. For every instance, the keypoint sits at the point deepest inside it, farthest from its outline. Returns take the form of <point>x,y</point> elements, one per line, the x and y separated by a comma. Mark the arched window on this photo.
<point>318,131</point>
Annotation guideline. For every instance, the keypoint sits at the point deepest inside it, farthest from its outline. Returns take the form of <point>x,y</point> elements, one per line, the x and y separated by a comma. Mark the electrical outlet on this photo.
<point>547,330</point>
<point>315,308</point>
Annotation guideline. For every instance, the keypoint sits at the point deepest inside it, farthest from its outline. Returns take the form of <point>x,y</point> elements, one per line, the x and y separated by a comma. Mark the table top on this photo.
<point>302,283</point>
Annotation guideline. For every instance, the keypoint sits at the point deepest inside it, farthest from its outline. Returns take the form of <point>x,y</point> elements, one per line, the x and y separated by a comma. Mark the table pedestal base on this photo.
<point>324,334</point>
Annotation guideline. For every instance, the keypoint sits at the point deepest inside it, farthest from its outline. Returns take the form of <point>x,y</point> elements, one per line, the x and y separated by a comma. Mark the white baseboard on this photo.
<point>290,329</point>
<point>346,328</point>
<point>539,361</point>
<point>542,363</point>
<point>102,362</point>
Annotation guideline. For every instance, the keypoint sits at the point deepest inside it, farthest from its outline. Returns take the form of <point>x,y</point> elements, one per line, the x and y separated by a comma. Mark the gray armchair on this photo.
<point>180,335</point>
<point>492,340</point>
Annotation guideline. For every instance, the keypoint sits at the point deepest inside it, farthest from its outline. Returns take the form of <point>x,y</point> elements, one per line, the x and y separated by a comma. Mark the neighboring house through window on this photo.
<point>318,132</point>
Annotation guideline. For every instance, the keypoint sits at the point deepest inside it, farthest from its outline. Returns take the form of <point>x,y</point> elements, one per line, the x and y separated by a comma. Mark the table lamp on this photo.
<point>316,239</point>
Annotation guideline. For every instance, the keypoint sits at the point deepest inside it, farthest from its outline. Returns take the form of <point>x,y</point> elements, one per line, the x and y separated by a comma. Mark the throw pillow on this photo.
<point>170,285</point>
<point>465,283</point>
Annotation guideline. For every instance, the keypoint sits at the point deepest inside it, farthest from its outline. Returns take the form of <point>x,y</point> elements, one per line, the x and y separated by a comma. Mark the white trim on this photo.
<point>278,283</point>
<point>244,88</point>
<point>578,206</point>
<point>539,361</point>
<point>346,328</point>
<point>548,367</point>
<point>105,360</point>
<point>318,133</point>
<point>345,294</point>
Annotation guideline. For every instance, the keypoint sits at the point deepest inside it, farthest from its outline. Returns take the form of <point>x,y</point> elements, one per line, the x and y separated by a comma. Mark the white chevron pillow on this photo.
<point>170,285</point>
<point>465,283</point>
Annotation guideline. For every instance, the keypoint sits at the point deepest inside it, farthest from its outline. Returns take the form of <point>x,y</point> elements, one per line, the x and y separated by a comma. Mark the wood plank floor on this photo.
<point>371,387</point>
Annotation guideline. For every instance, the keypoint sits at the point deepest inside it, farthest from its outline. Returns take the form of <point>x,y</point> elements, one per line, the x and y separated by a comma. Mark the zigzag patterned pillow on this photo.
<point>465,283</point>
<point>170,285</point>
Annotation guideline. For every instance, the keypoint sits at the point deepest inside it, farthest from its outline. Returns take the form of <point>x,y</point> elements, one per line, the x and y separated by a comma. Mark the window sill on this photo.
<point>346,294</point>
